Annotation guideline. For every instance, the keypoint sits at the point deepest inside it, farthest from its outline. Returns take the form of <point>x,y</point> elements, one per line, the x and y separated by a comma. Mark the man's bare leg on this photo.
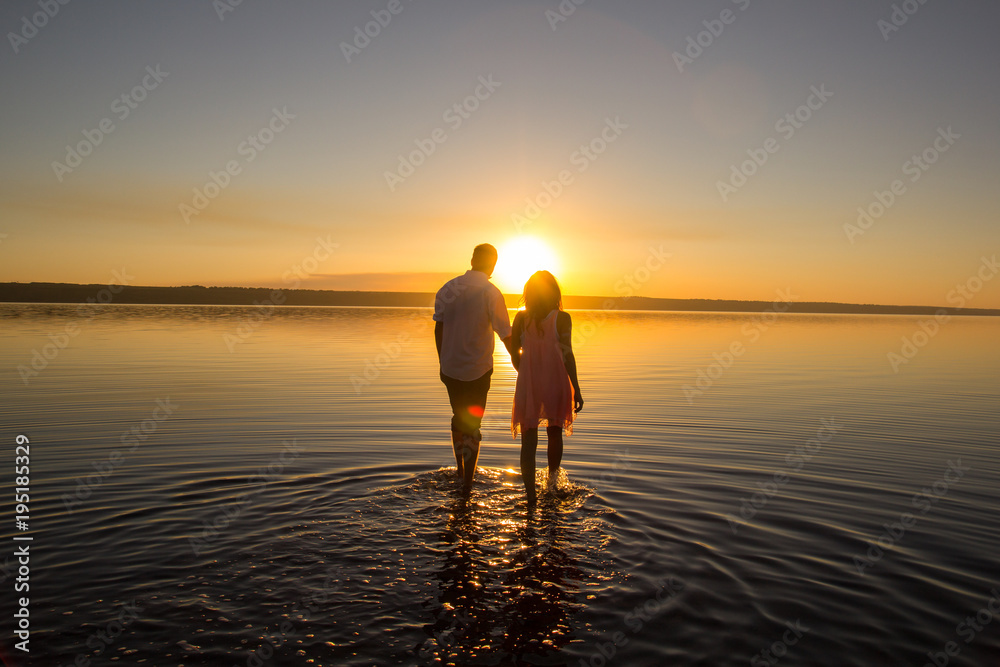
<point>470,455</point>
<point>456,444</point>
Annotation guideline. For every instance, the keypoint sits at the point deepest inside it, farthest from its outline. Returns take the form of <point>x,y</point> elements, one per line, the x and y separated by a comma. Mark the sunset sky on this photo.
<point>313,118</point>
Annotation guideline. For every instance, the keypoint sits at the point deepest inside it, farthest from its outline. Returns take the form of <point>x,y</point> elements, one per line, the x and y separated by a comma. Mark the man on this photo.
<point>467,310</point>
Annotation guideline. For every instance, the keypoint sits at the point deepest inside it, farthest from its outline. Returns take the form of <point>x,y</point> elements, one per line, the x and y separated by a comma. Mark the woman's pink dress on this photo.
<point>543,395</point>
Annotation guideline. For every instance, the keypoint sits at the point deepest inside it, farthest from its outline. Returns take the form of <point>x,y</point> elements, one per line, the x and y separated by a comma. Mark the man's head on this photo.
<point>484,258</point>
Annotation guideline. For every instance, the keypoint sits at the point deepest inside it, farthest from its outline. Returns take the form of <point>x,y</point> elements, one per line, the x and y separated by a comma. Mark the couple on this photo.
<point>467,311</point>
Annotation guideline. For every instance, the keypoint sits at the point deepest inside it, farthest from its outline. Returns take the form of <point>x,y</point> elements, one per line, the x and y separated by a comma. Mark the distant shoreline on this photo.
<point>248,296</point>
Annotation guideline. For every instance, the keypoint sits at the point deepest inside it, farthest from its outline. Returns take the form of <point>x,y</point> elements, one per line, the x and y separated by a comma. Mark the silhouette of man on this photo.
<point>467,311</point>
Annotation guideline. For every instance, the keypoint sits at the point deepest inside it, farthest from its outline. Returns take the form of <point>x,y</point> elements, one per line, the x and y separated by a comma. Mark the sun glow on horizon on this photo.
<point>518,259</point>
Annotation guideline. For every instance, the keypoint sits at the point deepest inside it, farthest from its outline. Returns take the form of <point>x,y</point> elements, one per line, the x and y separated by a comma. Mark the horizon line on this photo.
<point>837,306</point>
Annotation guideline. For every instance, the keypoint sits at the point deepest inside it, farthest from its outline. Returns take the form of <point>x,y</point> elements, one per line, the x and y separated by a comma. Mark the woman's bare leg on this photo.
<point>529,443</point>
<point>554,452</point>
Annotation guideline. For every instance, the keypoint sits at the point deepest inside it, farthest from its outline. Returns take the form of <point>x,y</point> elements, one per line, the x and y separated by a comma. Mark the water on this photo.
<point>284,497</point>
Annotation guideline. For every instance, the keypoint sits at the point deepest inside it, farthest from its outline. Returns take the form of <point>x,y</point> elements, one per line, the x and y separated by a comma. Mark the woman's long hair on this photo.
<point>541,296</point>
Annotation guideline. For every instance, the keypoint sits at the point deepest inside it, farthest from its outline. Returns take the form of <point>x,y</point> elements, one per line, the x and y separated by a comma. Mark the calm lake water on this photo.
<point>228,486</point>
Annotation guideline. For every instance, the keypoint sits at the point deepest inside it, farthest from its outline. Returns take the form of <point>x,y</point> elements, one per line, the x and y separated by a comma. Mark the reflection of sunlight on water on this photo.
<point>506,580</point>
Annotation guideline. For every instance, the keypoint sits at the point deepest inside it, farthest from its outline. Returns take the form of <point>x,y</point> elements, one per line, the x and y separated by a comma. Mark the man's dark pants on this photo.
<point>468,402</point>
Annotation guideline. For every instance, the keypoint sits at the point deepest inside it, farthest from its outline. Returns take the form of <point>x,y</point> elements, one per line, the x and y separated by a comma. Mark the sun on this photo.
<point>518,259</point>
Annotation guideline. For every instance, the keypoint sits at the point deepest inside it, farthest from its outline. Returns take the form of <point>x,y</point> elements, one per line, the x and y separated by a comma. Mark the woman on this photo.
<point>547,392</point>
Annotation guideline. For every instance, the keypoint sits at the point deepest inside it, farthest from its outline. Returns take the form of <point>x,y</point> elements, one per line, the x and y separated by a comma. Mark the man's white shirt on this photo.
<point>471,309</point>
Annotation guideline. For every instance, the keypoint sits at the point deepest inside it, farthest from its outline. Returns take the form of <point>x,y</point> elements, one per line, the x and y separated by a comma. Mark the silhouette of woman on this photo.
<point>547,392</point>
